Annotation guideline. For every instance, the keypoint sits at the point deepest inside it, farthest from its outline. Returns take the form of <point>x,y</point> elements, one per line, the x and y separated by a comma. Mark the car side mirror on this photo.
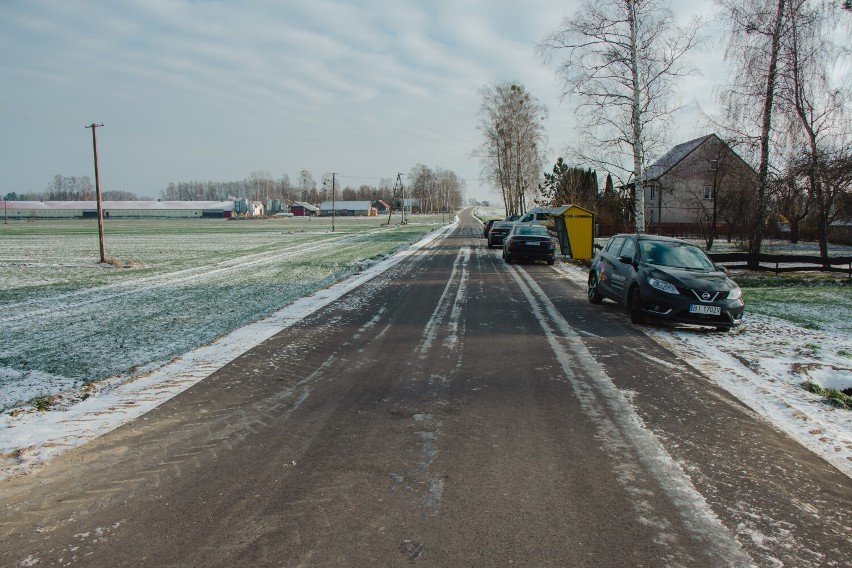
<point>625,259</point>
<point>721,268</point>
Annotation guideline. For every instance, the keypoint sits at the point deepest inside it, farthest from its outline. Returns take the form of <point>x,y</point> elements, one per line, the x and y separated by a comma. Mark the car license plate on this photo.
<point>708,310</point>
<point>532,243</point>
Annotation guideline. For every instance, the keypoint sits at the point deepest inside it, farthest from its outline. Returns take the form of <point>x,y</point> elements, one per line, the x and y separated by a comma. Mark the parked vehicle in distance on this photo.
<point>512,217</point>
<point>537,215</point>
<point>487,227</point>
<point>498,233</point>
<point>666,279</point>
<point>529,242</point>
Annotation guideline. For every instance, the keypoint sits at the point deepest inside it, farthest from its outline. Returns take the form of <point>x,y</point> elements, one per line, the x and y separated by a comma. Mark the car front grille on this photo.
<point>707,296</point>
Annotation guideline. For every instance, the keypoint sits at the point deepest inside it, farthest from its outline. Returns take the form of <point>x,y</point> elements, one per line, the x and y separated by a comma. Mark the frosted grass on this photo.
<point>66,321</point>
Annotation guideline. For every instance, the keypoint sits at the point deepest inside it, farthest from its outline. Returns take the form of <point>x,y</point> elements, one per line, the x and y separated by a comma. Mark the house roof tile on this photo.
<point>671,158</point>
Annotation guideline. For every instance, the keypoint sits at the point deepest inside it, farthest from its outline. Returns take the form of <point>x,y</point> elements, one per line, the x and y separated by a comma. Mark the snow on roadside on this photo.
<point>763,363</point>
<point>30,438</point>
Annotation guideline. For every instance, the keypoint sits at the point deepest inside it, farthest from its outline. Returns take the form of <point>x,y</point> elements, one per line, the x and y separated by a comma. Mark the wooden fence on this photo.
<point>784,262</point>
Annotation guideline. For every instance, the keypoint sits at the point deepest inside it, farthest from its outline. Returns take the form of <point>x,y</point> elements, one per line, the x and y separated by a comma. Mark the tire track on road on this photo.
<point>640,462</point>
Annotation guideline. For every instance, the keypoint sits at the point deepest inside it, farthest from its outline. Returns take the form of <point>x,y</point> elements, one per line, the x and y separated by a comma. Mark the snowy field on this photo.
<point>214,284</point>
<point>67,322</point>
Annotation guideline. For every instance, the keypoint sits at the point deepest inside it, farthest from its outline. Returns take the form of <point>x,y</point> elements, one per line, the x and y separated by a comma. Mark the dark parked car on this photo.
<point>667,279</point>
<point>530,242</point>
<point>487,227</point>
<point>498,233</point>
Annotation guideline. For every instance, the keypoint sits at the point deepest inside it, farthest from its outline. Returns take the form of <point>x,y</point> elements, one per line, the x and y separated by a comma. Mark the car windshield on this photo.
<point>674,254</point>
<point>533,230</point>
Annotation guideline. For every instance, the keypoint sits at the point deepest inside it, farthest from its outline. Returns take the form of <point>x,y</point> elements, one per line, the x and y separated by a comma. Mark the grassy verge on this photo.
<point>66,320</point>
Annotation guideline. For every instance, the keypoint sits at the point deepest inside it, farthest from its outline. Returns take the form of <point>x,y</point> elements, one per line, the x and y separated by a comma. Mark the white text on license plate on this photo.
<point>709,310</point>
<point>533,243</point>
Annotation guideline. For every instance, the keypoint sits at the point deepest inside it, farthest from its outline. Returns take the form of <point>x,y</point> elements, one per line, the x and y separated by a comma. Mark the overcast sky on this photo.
<point>215,90</point>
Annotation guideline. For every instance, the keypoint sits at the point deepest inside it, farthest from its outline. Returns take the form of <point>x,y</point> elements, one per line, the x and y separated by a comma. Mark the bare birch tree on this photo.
<point>306,184</point>
<point>754,47</point>
<point>810,95</point>
<point>512,122</point>
<point>622,59</point>
<point>782,94</point>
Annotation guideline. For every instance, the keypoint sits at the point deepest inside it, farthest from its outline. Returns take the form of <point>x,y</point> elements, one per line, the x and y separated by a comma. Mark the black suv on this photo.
<point>665,278</point>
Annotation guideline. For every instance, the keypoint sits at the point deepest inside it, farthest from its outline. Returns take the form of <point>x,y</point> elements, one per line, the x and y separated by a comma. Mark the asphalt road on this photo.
<point>454,411</point>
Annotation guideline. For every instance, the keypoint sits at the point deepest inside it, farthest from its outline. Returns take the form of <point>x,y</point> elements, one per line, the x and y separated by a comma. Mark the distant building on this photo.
<point>256,209</point>
<point>302,209</point>
<point>411,204</point>
<point>118,209</point>
<point>344,208</point>
<point>273,206</point>
<point>380,206</point>
<point>682,186</point>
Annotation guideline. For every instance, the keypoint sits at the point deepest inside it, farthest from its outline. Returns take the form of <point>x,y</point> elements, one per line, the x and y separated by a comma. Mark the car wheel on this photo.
<point>636,315</point>
<point>594,295</point>
<point>509,259</point>
<point>550,261</point>
<point>723,329</point>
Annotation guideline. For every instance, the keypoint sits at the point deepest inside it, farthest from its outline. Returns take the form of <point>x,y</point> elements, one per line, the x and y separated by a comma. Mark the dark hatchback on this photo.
<point>529,242</point>
<point>666,279</point>
<point>487,228</point>
<point>498,233</point>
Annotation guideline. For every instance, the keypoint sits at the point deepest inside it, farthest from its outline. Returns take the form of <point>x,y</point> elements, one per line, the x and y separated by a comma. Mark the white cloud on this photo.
<point>215,90</point>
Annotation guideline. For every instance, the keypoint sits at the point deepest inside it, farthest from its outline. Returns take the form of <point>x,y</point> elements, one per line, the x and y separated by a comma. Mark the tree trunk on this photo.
<point>637,123</point>
<point>813,163</point>
<point>763,172</point>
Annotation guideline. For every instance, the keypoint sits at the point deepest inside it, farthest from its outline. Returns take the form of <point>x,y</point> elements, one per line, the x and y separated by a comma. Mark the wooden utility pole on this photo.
<point>333,201</point>
<point>393,199</point>
<point>94,127</point>
<point>402,190</point>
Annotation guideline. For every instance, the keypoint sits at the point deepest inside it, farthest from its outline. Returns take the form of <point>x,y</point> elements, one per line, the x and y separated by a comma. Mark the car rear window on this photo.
<point>533,230</point>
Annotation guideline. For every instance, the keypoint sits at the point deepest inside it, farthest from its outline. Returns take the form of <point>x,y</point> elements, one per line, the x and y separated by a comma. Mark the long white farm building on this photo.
<point>118,209</point>
<point>361,208</point>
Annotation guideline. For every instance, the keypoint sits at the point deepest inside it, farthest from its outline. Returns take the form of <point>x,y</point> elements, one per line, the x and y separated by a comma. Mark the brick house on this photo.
<point>693,179</point>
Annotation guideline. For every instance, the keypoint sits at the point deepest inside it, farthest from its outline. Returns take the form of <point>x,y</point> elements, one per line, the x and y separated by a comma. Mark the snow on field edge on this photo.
<point>763,380</point>
<point>28,439</point>
<point>31,438</point>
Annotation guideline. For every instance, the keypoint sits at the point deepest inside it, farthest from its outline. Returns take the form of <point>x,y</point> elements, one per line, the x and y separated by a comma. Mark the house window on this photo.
<point>714,165</point>
<point>653,192</point>
<point>708,192</point>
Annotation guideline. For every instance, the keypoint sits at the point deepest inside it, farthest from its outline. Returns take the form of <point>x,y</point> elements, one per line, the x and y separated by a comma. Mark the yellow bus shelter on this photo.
<point>575,227</point>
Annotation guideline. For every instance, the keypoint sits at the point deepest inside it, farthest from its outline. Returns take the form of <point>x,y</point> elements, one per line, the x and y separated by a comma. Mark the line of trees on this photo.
<point>789,106</point>
<point>512,123</point>
<point>621,61</point>
<point>579,186</point>
<point>69,188</point>
<point>785,110</point>
<point>435,188</point>
<point>568,184</point>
